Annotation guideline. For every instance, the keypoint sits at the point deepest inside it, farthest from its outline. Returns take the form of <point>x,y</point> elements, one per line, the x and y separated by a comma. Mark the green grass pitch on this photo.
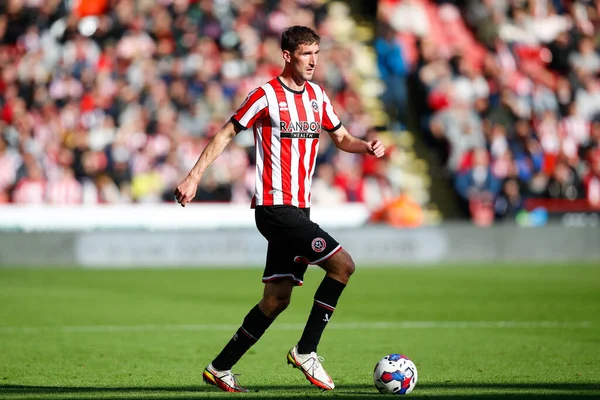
<point>479,331</point>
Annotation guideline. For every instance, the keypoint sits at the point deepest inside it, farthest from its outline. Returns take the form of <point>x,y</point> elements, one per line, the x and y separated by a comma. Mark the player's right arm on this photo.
<point>253,108</point>
<point>186,190</point>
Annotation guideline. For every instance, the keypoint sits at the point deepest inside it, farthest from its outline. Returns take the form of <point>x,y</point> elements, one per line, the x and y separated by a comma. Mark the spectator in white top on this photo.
<point>586,58</point>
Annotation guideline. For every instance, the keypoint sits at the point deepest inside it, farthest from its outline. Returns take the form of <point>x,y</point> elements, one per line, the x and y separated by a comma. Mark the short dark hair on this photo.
<point>294,36</point>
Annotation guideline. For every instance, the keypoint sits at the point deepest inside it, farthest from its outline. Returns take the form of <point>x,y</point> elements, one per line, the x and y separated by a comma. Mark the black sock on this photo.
<point>253,327</point>
<point>326,299</point>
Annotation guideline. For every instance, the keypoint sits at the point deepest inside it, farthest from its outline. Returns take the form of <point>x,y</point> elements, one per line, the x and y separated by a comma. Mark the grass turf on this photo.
<point>121,334</point>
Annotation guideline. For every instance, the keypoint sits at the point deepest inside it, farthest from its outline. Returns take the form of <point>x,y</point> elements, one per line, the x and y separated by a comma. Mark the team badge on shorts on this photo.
<point>318,244</point>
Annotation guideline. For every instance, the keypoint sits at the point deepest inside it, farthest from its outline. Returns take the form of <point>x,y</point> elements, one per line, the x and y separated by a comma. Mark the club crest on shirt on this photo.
<point>315,105</point>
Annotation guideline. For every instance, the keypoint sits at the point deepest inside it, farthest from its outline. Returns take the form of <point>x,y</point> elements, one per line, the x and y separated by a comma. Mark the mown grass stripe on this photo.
<point>284,327</point>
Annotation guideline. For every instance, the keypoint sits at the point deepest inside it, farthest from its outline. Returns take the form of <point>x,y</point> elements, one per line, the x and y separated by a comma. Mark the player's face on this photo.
<point>304,61</point>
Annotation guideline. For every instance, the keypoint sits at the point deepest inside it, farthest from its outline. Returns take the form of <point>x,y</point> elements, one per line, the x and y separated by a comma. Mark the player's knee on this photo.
<point>341,266</point>
<point>346,263</point>
<point>350,267</point>
<point>347,268</point>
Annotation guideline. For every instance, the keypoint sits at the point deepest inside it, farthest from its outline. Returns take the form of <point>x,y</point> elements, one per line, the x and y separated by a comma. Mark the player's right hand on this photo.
<point>186,190</point>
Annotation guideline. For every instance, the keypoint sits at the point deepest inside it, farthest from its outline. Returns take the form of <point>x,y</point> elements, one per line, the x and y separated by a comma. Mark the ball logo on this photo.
<point>315,105</point>
<point>319,244</point>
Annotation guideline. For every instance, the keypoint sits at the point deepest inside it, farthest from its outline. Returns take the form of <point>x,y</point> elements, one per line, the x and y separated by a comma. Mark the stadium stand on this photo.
<point>111,101</point>
<point>506,95</point>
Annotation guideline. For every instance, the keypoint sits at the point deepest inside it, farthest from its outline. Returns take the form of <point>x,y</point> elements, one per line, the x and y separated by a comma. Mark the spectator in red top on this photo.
<point>31,189</point>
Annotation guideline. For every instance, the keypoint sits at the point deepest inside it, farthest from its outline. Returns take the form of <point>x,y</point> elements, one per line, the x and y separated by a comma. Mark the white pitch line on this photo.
<point>288,327</point>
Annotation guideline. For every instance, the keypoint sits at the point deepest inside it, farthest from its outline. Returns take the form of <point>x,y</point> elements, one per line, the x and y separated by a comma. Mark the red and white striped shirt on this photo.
<point>64,191</point>
<point>287,124</point>
<point>29,191</point>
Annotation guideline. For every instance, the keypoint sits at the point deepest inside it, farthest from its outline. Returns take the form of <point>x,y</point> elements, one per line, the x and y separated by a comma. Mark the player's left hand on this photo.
<point>376,148</point>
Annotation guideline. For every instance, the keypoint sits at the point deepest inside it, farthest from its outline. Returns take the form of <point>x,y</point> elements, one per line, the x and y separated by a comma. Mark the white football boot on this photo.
<point>310,365</point>
<point>224,380</point>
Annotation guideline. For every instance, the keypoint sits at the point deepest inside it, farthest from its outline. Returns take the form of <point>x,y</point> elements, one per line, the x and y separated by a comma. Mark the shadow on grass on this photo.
<point>545,391</point>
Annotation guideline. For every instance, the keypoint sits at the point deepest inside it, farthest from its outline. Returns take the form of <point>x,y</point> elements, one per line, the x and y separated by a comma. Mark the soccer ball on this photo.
<point>395,374</point>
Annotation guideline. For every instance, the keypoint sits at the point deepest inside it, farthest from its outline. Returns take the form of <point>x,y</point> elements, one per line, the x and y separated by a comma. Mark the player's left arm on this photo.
<point>345,141</point>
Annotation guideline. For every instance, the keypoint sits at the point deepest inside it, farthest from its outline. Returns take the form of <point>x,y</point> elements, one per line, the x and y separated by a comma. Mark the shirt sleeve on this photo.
<point>253,108</point>
<point>331,122</point>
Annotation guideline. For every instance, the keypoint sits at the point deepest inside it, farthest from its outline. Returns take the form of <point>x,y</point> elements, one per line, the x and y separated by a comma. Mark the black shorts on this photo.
<point>294,242</point>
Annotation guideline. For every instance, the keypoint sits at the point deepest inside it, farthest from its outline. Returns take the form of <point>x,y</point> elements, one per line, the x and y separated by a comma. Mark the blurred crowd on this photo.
<point>506,92</point>
<point>112,101</point>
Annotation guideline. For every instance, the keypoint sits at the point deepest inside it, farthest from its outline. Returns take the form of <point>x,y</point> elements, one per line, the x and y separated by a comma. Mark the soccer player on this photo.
<point>287,115</point>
